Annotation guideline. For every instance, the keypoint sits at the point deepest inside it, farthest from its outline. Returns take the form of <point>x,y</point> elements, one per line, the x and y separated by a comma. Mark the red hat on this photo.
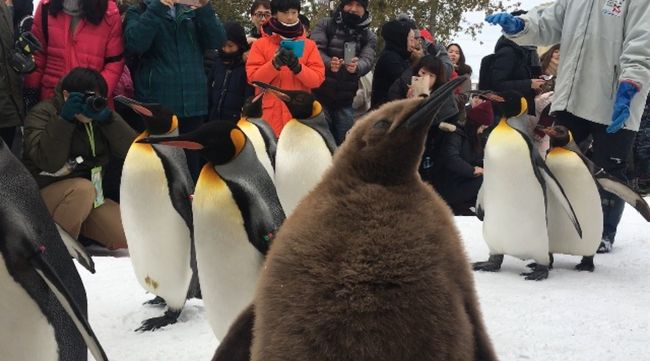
<point>426,35</point>
<point>481,114</point>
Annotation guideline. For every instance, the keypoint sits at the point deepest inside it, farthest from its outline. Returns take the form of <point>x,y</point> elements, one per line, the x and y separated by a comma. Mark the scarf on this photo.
<point>72,7</point>
<point>274,26</point>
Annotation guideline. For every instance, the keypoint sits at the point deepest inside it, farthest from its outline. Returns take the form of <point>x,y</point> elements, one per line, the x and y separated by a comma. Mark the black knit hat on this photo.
<point>363,3</point>
<point>236,34</point>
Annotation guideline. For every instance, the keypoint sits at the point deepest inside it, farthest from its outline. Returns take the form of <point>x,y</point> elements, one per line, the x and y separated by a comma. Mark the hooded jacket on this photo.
<point>259,67</point>
<point>330,34</point>
<point>513,69</point>
<point>11,102</point>
<point>50,141</point>
<point>601,46</point>
<point>99,47</point>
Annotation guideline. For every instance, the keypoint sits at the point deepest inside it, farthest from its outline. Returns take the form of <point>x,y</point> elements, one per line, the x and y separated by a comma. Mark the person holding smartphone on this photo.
<point>169,38</point>
<point>285,58</point>
<point>348,48</point>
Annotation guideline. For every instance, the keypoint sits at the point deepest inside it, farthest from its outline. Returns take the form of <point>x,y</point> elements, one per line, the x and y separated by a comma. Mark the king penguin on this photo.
<point>259,133</point>
<point>305,146</point>
<point>371,256</point>
<point>43,303</point>
<point>581,180</point>
<point>236,215</point>
<point>157,213</point>
<point>513,198</point>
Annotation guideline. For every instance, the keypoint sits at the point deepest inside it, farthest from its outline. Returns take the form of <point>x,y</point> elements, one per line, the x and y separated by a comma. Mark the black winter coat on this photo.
<point>390,66</point>
<point>455,161</point>
<point>512,69</point>
<point>227,90</point>
<point>330,35</point>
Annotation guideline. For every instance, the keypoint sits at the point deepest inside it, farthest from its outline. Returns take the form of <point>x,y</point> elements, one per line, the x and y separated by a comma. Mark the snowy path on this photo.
<point>571,316</point>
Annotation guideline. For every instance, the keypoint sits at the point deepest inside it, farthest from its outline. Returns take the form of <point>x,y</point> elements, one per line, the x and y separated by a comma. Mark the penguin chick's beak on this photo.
<point>436,103</point>
<point>136,106</point>
<point>179,142</point>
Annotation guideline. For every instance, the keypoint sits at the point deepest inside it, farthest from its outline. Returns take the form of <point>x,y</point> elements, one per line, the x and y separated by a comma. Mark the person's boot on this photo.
<point>612,212</point>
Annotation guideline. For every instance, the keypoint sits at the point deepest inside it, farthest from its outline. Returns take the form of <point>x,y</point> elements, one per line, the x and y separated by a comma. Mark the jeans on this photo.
<point>340,121</point>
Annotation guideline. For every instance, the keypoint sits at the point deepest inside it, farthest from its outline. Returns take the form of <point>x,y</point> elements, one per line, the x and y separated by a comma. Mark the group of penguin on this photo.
<point>532,208</point>
<point>368,263</point>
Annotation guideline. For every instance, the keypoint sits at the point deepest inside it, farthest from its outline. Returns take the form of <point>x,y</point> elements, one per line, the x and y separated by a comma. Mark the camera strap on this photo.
<point>95,172</point>
<point>90,131</point>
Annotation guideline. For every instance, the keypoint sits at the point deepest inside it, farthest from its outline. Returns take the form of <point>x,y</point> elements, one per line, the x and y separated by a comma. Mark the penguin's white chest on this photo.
<point>228,263</point>
<point>515,214</point>
<point>301,159</point>
<point>253,134</point>
<point>159,239</point>
<point>25,333</point>
<point>581,190</point>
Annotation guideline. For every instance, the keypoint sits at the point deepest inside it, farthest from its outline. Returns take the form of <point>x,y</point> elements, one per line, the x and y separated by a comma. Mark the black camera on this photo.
<point>94,101</point>
<point>22,56</point>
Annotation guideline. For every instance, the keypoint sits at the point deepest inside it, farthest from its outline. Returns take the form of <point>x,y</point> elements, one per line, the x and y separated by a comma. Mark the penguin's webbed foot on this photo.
<point>534,265</point>
<point>157,301</point>
<point>586,264</point>
<point>540,272</point>
<point>493,264</point>
<point>170,317</point>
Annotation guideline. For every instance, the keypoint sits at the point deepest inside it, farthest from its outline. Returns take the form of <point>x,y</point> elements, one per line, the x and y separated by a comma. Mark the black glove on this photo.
<point>292,63</point>
<point>279,58</point>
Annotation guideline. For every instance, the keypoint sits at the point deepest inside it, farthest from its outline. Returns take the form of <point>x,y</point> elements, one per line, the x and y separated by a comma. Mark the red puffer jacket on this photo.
<point>98,47</point>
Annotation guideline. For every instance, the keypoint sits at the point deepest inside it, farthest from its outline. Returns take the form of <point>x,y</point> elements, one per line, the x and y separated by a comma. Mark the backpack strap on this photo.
<point>44,13</point>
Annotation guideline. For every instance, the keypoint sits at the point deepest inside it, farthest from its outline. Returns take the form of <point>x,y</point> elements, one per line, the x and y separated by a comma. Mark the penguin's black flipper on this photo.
<point>76,250</point>
<point>609,183</point>
<point>236,345</point>
<point>59,290</point>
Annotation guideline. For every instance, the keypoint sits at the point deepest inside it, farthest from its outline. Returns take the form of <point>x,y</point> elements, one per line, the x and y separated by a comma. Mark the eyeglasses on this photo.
<point>260,14</point>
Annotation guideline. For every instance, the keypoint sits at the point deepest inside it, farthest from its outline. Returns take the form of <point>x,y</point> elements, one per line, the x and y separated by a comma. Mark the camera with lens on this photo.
<point>94,101</point>
<point>22,55</point>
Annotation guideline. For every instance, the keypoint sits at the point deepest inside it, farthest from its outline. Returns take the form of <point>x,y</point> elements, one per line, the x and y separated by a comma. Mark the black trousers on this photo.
<point>611,152</point>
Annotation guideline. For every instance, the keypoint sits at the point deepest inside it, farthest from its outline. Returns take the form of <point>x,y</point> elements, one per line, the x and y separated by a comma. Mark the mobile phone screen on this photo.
<point>297,46</point>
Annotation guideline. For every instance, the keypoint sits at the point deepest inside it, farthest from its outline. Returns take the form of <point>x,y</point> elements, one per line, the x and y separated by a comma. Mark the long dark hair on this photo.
<point>548,55</point>
<point>91,10</point>
<point>462,68</point>
<point>433,65</point>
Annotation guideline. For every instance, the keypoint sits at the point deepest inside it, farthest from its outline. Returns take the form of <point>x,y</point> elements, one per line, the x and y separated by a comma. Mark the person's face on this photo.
<point>432,76</point>
<point>260,15</point>
<point>412,41</point>
<point>454,54</point>
<point>230,47</point>
<point>288,17</point>
<point>556,55</point>
<point>354,7</point>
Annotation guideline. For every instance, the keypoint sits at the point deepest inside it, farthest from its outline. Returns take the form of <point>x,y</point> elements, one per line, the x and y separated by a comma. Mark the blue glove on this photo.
<point>510,24</point>
<point>626,91</point>
<point>101,117</point>
<point>73,106</point>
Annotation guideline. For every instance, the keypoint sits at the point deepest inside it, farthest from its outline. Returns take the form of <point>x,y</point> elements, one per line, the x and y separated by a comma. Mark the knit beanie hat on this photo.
<point>236,34</point>
<point>363,3</point>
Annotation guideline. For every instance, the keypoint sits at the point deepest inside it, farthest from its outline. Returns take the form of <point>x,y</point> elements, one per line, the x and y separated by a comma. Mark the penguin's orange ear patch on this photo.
<point>183,144</point>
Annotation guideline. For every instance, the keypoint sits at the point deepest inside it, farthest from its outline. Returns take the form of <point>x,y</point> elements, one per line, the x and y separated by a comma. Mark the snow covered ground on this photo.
<point>573,316</point>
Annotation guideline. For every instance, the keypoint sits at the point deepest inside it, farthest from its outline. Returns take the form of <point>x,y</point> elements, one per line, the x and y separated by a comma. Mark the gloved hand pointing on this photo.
<point>626,91</point>
<point>510,24</point>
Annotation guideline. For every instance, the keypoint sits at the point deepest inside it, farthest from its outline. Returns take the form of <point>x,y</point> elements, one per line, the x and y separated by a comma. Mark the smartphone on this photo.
<point>349,51</point>
<point>547,77</point>
<point>297,46</point>
<point>420,86</point>
<point>188,2</point>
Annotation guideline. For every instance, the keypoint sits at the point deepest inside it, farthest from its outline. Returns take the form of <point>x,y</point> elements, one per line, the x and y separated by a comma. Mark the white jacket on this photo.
<point>601,45</point>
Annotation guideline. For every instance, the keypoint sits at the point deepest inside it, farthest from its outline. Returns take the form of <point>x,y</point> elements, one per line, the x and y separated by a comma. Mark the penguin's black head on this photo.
<point>158,119</point>
<point>559,135</point>
<point>253,107</point>
<point>300,103</point>
<point>218,142</point>
<point>507,104</point>
<point>386,145</point>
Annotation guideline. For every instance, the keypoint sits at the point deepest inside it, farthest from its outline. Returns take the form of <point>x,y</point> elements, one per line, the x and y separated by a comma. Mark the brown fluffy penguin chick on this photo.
<point>370,266</point>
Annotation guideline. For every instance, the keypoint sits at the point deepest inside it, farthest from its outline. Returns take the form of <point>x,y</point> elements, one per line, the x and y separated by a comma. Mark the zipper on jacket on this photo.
<point>223,91</point>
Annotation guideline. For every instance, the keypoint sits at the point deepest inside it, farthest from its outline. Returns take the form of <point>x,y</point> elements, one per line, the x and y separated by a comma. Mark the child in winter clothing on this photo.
<point>228,87</point>
<point>272,64</point>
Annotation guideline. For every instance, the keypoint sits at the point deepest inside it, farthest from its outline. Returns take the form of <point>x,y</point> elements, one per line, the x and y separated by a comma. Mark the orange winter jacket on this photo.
<point>260,68</point>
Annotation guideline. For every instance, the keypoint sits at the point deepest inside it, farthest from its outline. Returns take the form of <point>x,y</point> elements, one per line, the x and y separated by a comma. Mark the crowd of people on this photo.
<point>184,57</point>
